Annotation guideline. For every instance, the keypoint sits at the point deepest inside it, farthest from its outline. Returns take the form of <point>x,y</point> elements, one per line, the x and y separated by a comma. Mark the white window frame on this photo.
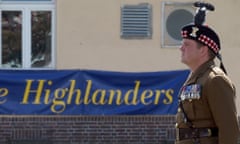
<point>26,7</point>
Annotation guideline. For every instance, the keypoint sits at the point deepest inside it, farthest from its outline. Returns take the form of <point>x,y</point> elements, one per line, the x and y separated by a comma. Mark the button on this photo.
<point>176,125</point>
<point>209,132</point>
<point>179,110</point>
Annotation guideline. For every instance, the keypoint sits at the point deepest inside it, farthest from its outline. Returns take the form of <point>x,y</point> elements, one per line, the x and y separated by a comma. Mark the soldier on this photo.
<point>207,110</point>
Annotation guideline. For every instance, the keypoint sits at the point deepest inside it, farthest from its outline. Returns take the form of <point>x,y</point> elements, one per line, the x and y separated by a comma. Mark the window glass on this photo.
<point>11,39</point>
<point>41,38</point>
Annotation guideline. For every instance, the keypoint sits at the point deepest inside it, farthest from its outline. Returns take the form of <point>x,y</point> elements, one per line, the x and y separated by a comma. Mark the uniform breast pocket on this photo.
<point>189,109</point>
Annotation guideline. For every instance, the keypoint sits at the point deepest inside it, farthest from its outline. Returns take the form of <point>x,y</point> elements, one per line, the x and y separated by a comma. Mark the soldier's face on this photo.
<point>190,52</point>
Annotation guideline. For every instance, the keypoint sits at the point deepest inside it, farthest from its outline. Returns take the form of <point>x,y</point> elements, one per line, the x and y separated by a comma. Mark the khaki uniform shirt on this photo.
<point>214,107</point>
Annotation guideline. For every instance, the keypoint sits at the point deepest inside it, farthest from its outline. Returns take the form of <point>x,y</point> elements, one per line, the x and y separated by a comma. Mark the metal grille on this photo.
<point>136,21</point>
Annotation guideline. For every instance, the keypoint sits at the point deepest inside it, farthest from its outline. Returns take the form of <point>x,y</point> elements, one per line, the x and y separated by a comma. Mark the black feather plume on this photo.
<point>199,18</point>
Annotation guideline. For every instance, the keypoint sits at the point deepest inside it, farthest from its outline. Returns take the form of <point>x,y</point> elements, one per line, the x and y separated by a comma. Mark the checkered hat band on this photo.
<point>184,34</point>
<point>209,42</point>
<point>204,39</point>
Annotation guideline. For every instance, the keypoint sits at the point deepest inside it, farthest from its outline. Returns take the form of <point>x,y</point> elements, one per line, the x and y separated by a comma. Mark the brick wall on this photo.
<point>87,129</point>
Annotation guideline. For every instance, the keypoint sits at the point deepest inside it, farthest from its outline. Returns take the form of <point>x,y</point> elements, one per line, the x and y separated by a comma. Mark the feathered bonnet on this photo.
<point>202,33</point>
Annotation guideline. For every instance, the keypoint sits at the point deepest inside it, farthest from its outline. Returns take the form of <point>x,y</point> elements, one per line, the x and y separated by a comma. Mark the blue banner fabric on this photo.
<point>89,92</point>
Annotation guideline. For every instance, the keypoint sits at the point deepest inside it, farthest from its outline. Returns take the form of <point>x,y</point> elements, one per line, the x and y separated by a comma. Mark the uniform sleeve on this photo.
<point>221,98</point>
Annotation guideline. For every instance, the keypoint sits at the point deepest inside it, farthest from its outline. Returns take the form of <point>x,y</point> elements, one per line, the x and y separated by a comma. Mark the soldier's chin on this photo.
<point>183,61</point>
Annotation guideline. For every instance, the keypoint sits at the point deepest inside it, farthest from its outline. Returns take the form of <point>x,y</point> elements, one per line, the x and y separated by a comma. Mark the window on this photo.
<point>27,34</point>
<point>136,21</point>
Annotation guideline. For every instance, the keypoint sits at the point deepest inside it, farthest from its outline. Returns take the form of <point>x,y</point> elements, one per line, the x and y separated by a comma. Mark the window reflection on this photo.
<point>41,38</point>
<point>11,39</point>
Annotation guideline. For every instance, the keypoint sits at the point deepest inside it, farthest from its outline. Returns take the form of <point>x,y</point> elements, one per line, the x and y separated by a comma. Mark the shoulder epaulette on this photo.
<point>217,70</point>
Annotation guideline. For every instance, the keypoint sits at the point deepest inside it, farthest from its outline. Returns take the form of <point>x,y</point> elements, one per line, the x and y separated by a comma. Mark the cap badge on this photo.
<point>194,32</point>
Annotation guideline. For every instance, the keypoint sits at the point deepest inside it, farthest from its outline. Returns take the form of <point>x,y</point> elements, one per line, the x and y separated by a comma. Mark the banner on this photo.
<point>89,92</point>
